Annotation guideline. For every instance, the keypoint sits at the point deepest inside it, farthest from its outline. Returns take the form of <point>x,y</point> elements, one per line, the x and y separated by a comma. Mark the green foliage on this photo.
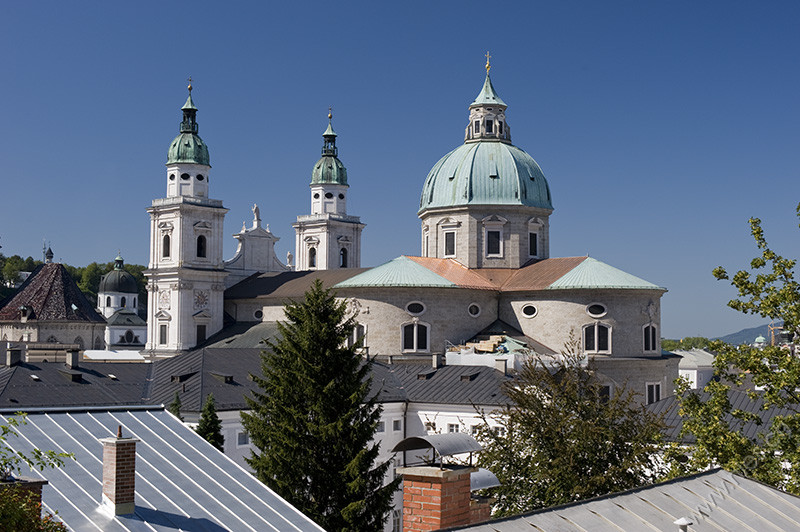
<point>770,291</point>
<point>210,427</point>
<point>20,511</point>
<point>690,342</point>
<point>11,460</point>
<point>14,264</point>
<point>314,421</point>
<point>563,439</point>
<point>175,406</point>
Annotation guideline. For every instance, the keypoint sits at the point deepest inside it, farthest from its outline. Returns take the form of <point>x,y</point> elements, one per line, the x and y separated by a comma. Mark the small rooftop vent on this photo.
<point>71,375</point>
<point>227,379</point>
<point>35,377</point>
<point>425,375</point>
<point>469,376</point>
<point>181,377</point>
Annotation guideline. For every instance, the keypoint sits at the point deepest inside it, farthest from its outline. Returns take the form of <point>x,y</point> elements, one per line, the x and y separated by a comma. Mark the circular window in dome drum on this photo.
<point>596,310</point>
<point>415,308</point>
<point>329,195</point>
<point>474,310</point>
<point>529,311</point>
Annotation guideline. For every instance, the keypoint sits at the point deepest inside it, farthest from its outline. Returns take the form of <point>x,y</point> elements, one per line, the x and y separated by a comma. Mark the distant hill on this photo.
<point>746,336</point>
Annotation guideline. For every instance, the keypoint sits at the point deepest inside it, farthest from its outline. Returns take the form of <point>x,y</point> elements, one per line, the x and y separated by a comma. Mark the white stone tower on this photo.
<point>328,238</point>
<point>186,272</point>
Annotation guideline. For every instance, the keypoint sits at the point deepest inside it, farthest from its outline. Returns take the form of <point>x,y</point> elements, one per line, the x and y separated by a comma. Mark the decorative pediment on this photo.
<point>448,222</point>
<point>535,222</point>
<point>203,224</point>
<point>494,219</point>
<point>344,240</point>
<point>311,240</point>
<point>202,315</point>
<point>163,315</point>
<point>165,226</point>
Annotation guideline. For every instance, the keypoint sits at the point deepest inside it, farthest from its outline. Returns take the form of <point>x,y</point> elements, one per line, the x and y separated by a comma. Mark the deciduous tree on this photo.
<point>314,420</point>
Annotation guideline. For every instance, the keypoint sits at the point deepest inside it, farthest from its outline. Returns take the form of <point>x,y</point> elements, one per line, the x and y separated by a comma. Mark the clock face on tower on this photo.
<point>200,299</point>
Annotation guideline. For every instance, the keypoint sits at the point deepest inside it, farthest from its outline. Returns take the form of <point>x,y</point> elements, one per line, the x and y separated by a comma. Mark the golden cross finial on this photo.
<point>330,112</point>
<point>189,79</point>
<point>488,66</point>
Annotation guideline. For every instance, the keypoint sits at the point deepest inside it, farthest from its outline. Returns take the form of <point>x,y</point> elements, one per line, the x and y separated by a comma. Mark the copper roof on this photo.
<point>539,275</point>
<point>455,272</point>
<point>50,294</point>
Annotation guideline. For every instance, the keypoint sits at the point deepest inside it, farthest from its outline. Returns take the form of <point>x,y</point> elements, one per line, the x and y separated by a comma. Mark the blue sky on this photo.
<point>661,126</point>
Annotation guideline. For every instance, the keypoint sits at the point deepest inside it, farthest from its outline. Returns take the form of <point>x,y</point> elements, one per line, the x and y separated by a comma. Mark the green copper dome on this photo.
<point>486,173</point>
<point>329,169</point>
<point>188,147</point>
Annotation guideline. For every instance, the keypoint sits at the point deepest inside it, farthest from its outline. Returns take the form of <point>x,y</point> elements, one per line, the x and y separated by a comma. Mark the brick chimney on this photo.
<point>119,473</point>
<point>435,498</point>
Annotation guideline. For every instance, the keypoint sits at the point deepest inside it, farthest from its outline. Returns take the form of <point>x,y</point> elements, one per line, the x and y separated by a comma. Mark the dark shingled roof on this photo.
<point>287,285</point>
<point>739,401</point>
<point>52,295</point>
<point>463,385</point>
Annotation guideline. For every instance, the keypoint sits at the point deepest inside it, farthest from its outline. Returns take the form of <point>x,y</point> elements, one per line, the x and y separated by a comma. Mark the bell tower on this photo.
<point>328,238</point>
<point>186,270</point>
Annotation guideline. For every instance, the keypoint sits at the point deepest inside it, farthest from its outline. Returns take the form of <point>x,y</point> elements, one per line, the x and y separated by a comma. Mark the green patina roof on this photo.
<point>591,273</point>
<point>188,148</point>
<point>488,95</point>
<point>401,271</point>
<point>329,132</point>
<point>329,169</point>
<point>189,103</point>
<point>486,173</point>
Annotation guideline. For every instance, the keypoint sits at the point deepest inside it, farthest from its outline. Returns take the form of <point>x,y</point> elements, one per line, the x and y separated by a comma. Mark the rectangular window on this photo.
<point>602,338</point>
<point>450,244</point>
<point>477,126</point>
<point>588,339</point>
<point>397,425</point>
<point>650,338</point>
<point>533,245</point>
<point>500,128</point>
<point>492,243</point>
<point>474,429</point>
<point>422,338</point>
<point>426,245</point>
<point>408,336</point>
<point>397,522</point>
<point>242,438</point>
<point>162,334</point>
<point>381,426</point>
<point>488,126</point>
<point>453,427</point>
<point>653,392</point>
<point>201,334</point>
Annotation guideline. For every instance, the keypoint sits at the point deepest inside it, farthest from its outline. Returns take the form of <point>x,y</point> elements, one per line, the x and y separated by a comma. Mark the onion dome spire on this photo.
<point>329,148</point>
<point>119,263</point>
<point>189,122</point>
<point>188,147</point>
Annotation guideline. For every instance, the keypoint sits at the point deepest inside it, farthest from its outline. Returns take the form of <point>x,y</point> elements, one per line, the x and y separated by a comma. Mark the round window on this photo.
<point>329,195</point>
<point>529,311</point>
<point>341,196</point>
<point>316,196</point>
<point>474,310</point>
<point>172,177</point>
<point>184,176</point>
<point>415,308</point>
<point>596,310</point>
<point>200,177</point>
<point>258,314</point>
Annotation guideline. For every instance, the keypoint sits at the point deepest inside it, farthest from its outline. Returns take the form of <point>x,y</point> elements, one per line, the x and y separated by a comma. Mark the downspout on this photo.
<point>405,425</point>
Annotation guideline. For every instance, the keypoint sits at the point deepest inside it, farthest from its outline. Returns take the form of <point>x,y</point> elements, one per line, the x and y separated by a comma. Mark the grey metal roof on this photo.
<point>287,285</point>
<point>669,407</point>
<point>464,385</point>
<point>714,501</point>
<point>182,482</point>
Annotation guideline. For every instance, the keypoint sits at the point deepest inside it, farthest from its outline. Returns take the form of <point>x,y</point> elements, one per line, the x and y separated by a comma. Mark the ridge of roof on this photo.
<point>455,272</point>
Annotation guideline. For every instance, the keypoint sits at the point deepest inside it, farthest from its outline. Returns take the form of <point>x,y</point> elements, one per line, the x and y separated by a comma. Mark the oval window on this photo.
<point>184,176</point>
<point>415,308</point>
<point>341,196</point>
<point>200,177</point>
<point>329,195</point>
<point>596,310</point>
<point>474,310</point>
<point>529,311</point>
<point>316,196</point>
<point>172,177</point>
<point>258,314</point>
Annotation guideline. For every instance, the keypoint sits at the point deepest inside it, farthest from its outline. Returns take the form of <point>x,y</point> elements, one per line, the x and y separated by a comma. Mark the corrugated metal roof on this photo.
<point>182,482</point>
<point>591,273</point>
<point>287,285</point>
<point>401,271</point>
<point>480,385</point>
<point>714,500</point>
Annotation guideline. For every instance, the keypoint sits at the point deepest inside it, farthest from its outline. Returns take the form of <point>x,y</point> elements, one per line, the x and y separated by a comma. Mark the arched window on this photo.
<point>343,258</point>
<point>122,304</point>
<point>649,338</point>
<point>108,301</point>
<point>201,246</point>
<point>312,257</point>
<point>597,338</point>
<point>415,337</point>
<point>165,246</point>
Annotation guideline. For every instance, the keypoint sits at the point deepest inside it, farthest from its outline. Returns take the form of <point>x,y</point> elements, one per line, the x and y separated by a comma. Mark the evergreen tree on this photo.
<point>175,407</point>
<point>210,427</point>
<point>314,421</point>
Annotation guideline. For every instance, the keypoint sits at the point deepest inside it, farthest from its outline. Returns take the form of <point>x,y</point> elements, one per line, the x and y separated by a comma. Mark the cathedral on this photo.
<point>483,291</point>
